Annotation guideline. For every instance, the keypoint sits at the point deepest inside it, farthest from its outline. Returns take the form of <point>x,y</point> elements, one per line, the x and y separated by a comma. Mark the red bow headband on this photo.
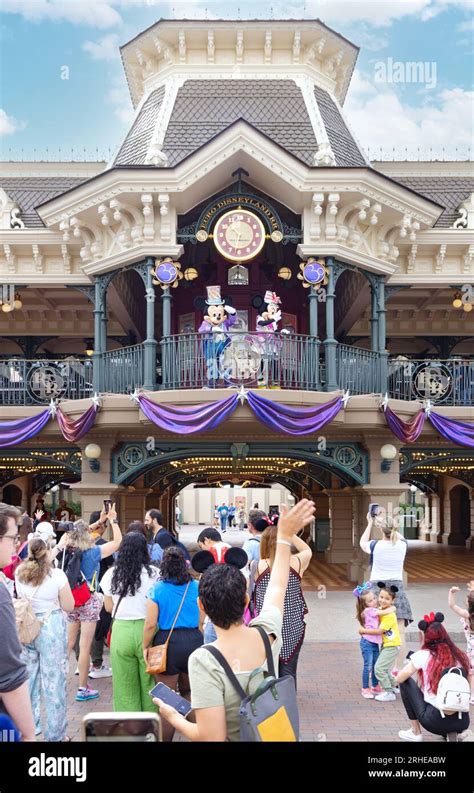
<point>429,617</point>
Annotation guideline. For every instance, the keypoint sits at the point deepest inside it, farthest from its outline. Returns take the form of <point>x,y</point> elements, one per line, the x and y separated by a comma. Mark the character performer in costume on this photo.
<point>265,341</point>
<point>218,319</point>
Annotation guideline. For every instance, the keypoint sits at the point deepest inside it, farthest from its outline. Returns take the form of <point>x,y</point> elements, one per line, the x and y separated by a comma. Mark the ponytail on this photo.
<point>37,564</point>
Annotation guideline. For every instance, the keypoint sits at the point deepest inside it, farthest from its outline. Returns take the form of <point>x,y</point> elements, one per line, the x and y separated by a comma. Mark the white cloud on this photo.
<point>381,120</point>
<point>105,49</point>
<point>94,13</point>
<point>119,97</point>
<point>376,12</point>
<point>9,125</point>
<point>468,26</point>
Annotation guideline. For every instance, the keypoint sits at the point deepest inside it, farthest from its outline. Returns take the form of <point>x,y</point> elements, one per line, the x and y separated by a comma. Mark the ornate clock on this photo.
<point>239,235</point>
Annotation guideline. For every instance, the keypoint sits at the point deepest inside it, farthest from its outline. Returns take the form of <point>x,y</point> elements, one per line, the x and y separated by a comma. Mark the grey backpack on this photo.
<point>271,713</point>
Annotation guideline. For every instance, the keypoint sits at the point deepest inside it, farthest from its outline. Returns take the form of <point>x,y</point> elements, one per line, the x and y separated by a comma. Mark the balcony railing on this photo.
<point>357,370</point>
<point>445,382</point>
<point>122,370</point>
<point>197,360</point>
<point>36,382</point>
<point>201,360</point>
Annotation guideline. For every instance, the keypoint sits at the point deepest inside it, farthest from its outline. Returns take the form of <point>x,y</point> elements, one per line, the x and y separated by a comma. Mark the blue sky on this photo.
<point>91,110</point>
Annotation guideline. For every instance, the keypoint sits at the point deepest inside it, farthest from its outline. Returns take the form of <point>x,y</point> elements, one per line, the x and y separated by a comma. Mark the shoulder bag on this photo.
<point>156,657</point>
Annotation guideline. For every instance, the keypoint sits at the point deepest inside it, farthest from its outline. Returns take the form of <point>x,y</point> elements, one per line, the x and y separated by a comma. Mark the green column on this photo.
<point>314,341</point>
<point>149,379</point>
<point>382,339</point>
<point>166,297</point>
<point>330,342</point>
<point>97,356</point>
<point>374,320</point>
<point>103,323</point>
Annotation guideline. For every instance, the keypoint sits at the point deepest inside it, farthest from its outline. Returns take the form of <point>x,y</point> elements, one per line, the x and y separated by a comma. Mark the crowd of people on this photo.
<point>141,589</point>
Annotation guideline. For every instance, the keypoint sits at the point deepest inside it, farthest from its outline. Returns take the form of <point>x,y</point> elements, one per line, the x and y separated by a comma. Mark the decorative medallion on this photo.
<point>313,273</point>
<point>432,380</point>
<point>166,273</point>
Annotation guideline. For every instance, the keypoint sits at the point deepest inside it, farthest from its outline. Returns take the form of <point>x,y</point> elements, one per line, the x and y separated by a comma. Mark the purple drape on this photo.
<point>185,420</point>
<point>406,431</point>
<point>14,432</point>
<point>293,420</point>
<point>455,431</point>
<point>74,430</point>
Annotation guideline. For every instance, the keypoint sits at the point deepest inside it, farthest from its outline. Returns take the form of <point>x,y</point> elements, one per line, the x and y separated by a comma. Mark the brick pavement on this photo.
<point>331,708</point>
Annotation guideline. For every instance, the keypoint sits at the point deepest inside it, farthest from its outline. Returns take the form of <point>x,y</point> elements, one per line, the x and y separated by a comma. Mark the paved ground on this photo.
<point>331,708</point>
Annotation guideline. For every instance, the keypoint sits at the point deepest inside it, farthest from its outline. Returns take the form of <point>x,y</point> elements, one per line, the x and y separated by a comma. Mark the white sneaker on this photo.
<point>409,735</point>
<point>387,696</point>
<point>77,670</point>
<point>396,689</point>
<point>103,671</point>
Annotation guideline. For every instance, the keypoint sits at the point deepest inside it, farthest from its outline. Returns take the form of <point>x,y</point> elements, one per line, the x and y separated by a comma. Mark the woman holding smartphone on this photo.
<point>387,554</point>
<point>223,597</point>
<point>85,617</point>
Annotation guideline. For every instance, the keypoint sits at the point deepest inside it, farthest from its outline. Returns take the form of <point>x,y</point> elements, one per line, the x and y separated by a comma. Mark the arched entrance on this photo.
<point>460,515</point>
<point>12,495</point>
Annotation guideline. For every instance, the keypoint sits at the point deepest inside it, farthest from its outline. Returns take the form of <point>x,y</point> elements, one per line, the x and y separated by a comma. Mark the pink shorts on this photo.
<point>89,612</point>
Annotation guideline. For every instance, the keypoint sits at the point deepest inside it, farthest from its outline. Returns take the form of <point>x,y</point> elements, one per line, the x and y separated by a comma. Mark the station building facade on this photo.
<point>240,187</point>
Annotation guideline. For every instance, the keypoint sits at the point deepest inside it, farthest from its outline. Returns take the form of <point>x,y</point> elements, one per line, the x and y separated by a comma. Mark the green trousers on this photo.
<point>384,665</point>
<point>130,681</point>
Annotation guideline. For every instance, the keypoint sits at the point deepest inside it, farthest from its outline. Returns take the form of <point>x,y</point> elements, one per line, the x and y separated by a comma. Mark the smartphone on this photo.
<point>107,504</point>
<point>373,510</point>
<point>119,727</point>
<point>171,698</point>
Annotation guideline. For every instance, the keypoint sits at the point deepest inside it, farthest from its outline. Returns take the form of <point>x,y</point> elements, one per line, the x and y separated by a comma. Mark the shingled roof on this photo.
<point>31,191</point>
<point>204,108</point>
<point>449,191</point>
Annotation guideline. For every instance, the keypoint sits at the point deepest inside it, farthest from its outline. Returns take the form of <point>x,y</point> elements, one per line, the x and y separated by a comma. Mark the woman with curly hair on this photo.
<point>125,587</point>
<point>438,653</point>
<point>175,589</point>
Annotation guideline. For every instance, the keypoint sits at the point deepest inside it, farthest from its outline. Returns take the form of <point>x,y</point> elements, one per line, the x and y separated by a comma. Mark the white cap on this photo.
<point>44,530</point>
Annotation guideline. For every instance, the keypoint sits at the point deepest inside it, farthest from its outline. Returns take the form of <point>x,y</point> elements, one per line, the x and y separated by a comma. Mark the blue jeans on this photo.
<point>210,634</point>
<point>223,520</point>
<point>370,652</point>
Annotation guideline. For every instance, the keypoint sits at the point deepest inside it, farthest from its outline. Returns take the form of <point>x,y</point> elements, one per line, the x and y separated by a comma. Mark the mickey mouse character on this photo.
<point>218,319</point>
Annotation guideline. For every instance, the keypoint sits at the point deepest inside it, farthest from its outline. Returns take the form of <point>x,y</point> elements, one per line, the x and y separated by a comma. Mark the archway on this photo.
<point>12,495</point>
<point>460,515</point>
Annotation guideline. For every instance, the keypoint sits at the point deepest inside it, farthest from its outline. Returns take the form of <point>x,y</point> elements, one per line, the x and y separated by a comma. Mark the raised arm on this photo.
<point>364,541</point>
<point>290,522</point>
<point>303,552</point>
<point>453,605</point>
<point>108,548</point>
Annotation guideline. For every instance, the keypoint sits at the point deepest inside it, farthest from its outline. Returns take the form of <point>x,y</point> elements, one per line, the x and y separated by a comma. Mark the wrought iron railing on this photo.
<point>36,382</point>
<point>122,370</point>
<point>206,360</point>
<point>444,381</point>
<point>358,370</point>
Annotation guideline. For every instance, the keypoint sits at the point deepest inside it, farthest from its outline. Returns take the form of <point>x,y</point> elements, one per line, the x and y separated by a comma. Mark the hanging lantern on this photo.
<point>285,273</point>
<point>190,274</point>
<point>457,302</point>
<point>17,303</point>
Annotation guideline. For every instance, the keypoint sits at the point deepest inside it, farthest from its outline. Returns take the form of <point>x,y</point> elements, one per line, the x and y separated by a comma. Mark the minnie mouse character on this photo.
<point>218,319</point>
<point>265,341</point>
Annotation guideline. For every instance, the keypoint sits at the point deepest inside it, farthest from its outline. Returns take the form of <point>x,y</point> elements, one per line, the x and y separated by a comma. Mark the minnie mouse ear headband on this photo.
<point>202,560</point>
<point>362,589</point>
<point>431,619</point>
<point>392,589</point>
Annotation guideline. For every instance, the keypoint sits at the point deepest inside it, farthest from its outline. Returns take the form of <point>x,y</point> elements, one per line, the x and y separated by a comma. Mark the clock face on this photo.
<point>239,235</point>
